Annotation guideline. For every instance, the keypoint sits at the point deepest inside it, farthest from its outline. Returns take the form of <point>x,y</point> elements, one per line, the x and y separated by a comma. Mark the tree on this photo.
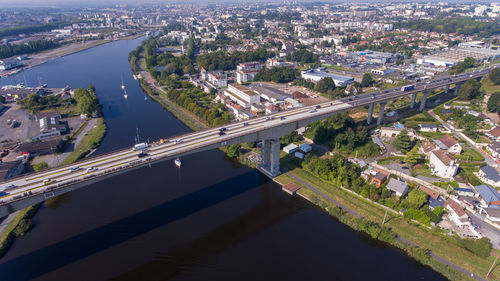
<point>324,85</point>
<point>494,102</point>
<point>416,198</point>
<point>367,80</point>
<point>403,142</point>
<point>469,90</point>
<point>412,157</point>
<point>233,150</point>
<point>290,138</point>
<point>481,247</point>
<point>495,76</point>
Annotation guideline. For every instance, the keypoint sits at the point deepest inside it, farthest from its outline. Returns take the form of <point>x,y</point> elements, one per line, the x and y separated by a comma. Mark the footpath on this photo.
<point>350,211</point>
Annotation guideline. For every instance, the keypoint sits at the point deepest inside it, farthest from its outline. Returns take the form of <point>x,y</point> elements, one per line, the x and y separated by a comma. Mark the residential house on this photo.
<point>494,149</point>
<point>443,164</point>
<point>378,179</point>
<point>449,144</point>
<point>456,213</point>
<point>489,175</point>
<point>305,147</point>
<point>461,191</point>
<point>494,133</point>
<point>398,187</point>
<point>493,214</point>
<point>428,127</point>
<point>426,148</point>
<point>489,197</point>
<point>434,199</point>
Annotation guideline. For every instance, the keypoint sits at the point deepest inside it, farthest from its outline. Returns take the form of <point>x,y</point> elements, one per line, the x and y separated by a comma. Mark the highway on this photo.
<point>31,184</point>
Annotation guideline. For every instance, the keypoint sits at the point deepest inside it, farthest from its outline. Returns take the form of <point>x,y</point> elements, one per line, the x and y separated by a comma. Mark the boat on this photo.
<point>145,98</point>
<point>178,162</point>
<point>135,77</point>
<point>124,90</point>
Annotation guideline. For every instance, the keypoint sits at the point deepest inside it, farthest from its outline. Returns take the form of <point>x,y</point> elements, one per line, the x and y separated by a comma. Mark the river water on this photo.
<point>210,220</point>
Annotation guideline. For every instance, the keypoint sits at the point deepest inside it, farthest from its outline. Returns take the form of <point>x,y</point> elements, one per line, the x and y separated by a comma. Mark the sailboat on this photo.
<point>124,91</point>
<point>178,162</point>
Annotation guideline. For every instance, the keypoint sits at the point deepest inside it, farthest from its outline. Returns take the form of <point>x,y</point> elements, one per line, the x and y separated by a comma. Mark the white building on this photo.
<point>291,148</point>
<point>489,175</point>
<point>320,73</point>
<point>217,79</point>
<point>442,164</point>
<point>245,72</point>
<point>242,95</point>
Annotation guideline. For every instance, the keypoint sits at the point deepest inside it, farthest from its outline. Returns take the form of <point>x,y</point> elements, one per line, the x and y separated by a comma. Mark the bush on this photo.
<point>40,166</point>
<point>481,247</point>
<point>23,227</point>
<point>495,76</point>
<point>418,215</point>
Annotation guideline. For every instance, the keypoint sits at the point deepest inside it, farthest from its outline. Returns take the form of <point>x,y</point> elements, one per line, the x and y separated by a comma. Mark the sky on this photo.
<point>87,3</point>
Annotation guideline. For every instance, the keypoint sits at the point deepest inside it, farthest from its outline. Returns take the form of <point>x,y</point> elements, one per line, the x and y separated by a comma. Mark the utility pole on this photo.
<point>383,222</point>
<point>491,268</point>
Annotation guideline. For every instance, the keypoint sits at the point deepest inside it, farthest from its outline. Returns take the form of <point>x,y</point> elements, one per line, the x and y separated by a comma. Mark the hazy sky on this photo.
<point>86,3</point>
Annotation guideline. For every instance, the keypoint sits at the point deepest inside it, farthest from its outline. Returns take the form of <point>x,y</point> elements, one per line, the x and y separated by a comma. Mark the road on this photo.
<point>87,169</point>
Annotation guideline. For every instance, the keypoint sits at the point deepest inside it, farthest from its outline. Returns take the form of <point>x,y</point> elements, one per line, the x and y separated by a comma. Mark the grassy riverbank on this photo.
<point>18,227</point>
<point>435,240</point>
<point>90,141</point>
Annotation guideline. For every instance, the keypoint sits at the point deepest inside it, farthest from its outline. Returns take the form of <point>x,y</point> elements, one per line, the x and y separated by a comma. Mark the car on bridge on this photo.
<point>312,110</point>
<point>48,181</point>
<point>74,169</point>
<point>92,169</point>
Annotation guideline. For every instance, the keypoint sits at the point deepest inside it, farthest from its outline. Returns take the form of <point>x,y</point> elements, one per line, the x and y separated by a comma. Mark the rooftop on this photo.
<point>488,193</point>
<point>490,173</point>
<point>444,157</point>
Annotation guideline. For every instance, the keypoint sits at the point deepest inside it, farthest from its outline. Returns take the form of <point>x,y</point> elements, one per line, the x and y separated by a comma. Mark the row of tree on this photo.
<point>277,74</point>
<point>224,61</point>
<point>9,50</point>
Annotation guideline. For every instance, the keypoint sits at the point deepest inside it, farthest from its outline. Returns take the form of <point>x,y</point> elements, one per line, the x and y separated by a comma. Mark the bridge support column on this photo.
<point>266,153</point>
<point>424,100</point>
<point>413,99</point>
<point>370,113</point>
<point>381,114</point>
<point>446,88</point>
<point>275,157</point>
<point>271,156</point>
<point>457,86</point>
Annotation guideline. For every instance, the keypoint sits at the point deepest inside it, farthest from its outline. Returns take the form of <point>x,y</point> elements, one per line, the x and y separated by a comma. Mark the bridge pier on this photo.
<point>381,113</point>
<point>370,113</point>
<point>446,88</point>
<point>271,156</point>
<point>413,99</point>
<point>424,100</point>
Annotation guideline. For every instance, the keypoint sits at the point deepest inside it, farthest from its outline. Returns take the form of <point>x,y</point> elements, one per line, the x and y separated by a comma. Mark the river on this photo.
<point>210,220</point>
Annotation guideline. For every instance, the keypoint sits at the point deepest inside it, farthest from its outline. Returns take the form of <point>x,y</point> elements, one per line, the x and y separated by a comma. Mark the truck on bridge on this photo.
<point>407,88</point>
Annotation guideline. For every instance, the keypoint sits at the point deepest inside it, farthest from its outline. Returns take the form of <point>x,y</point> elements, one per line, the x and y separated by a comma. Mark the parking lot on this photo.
<point>25,127</point>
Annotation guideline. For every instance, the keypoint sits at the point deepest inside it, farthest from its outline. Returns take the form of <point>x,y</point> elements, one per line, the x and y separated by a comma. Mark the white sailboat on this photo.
<point>124,90</point>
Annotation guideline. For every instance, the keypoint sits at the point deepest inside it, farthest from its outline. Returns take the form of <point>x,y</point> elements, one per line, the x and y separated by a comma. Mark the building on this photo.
<point>245,72</point>
<point>449,144</point>
<point>428,127</point>
<point>454,56</point>
<point>489,175</point>
<point>378,179</point>
<point>494,133</point>
<point>442,164</point>
<point>10,64</point>
<point>217,78</point>
<point>456,213</point>
<point>39,147</point>
<point>492,213</point>
<point>242,95</point>
<point>383,71</point>
<point>291,148</point>
<point>268,93</point>
<point>390,132</point>
<point>51,126</point>
<point>427,147</point>
<point>489,197</point>
<point>320,73</point>
<point>494,149</point>
<point>434,199</point>
<point>398,187</point>
<point>275,62</point>
<point>305,147</point>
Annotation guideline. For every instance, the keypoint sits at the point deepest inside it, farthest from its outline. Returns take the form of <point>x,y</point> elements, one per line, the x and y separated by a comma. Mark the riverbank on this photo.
<point>17,227</point>
<point>90,141</point>
<point>441,251</point>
